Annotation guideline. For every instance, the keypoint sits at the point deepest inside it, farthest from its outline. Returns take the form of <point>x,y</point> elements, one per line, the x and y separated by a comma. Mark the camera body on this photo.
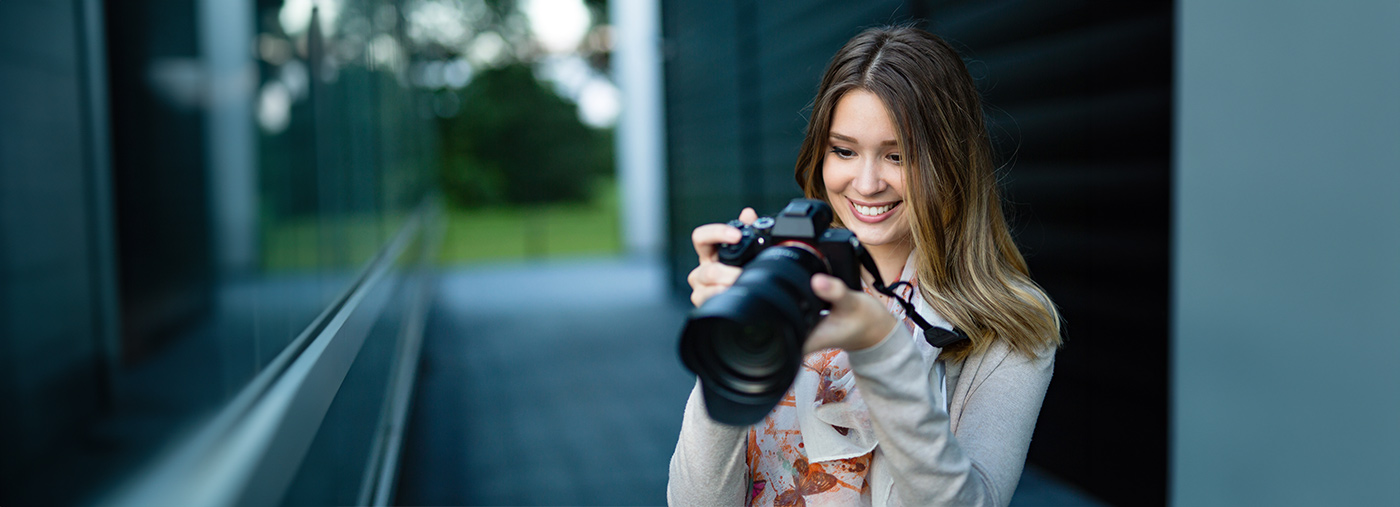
<point>745,344</point>
<point>801,222</point>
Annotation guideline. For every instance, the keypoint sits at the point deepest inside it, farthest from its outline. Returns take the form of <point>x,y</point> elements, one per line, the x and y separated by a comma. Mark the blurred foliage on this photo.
<point>515,141</point>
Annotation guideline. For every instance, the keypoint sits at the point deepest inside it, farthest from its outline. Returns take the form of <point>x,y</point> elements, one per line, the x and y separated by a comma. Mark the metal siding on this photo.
<point>1078,97</point>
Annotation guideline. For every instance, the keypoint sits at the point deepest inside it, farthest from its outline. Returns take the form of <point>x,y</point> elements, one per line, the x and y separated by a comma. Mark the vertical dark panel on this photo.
<point>738,78</point>
<point>1078,95</point>
<point>702,120</point>
<point>47,277</point>
<point>163,220</point>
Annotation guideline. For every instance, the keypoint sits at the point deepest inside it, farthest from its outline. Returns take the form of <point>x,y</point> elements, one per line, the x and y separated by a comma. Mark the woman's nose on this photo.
<point>868,181</point>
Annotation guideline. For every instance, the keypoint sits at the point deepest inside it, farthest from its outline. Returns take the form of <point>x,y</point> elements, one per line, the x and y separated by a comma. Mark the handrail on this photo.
<point>249,452</point>
<point>381,470</point>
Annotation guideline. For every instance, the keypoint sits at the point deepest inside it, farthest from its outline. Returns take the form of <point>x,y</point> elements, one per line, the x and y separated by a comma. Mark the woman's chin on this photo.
<point>873,236</point>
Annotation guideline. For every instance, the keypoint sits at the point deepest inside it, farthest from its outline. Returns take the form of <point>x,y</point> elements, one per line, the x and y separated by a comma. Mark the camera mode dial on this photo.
<point>755,238</point>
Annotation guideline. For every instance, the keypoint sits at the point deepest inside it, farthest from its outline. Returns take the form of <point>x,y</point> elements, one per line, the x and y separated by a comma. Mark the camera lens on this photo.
<point>745,344</point>
<point>751,348</point>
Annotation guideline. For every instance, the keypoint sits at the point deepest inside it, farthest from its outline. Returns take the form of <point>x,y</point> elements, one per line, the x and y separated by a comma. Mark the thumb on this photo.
<point>748,216</point>
<point>829,288</point>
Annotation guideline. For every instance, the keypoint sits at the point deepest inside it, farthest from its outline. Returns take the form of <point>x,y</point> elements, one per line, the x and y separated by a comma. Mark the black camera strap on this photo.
<point>934,335</point>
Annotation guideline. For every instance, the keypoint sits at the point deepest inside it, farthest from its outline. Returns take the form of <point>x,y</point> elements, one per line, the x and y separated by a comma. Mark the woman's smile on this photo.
<point>871,213</point>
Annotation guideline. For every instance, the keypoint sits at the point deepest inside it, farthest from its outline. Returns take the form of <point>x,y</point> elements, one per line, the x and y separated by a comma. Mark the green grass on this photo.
<point>543,231</point>
<point>472,235</point>
<point>298,244</point>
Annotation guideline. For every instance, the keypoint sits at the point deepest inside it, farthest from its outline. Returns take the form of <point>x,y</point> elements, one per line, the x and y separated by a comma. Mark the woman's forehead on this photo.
<point>860,116</point>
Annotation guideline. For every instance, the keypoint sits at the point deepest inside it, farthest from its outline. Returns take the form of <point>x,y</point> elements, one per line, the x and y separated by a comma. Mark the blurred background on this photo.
<point>433,252</point>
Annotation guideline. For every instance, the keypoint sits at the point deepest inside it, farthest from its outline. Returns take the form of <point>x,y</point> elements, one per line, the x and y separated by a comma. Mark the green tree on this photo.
<point>515,141</point>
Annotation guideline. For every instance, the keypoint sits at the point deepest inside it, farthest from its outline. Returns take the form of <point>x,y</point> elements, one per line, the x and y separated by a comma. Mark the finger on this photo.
<point>713,273</point>
<point>710,279</point>
<point>722,274</point>
<point>830,289</point>
<point>704,293</point>
<point>836,328</point>
<point>748,216</point>
<point>708,237</point>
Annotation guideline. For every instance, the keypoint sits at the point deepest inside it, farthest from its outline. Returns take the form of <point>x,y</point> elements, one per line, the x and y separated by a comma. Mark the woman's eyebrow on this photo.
<point>852,140</point>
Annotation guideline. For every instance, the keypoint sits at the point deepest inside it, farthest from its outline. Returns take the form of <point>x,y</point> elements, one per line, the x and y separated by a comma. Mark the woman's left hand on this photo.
<point>857,320</point>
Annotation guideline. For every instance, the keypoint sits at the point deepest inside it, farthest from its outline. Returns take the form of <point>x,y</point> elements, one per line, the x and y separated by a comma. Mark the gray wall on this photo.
<point>1287,254</point>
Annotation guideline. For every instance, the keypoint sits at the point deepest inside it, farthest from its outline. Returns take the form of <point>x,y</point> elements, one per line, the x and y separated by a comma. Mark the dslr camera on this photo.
<point>745,344</point>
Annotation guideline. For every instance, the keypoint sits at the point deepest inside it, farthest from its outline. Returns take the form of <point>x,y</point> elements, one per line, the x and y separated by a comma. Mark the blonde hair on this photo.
<point>969,269</point>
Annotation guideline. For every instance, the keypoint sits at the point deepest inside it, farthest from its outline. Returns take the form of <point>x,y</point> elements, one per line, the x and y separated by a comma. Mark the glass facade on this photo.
<point>198,197</point>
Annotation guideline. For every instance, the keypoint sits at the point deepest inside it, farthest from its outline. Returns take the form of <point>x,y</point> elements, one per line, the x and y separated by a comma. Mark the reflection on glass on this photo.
<point>264,154</point>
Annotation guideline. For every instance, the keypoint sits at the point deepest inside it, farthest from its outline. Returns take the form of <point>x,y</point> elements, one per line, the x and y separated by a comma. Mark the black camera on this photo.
<point>745,343</point>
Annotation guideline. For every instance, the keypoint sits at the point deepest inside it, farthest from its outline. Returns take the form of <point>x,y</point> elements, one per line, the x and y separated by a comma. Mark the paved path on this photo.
<point>559,384</point>
<point>548,384</point>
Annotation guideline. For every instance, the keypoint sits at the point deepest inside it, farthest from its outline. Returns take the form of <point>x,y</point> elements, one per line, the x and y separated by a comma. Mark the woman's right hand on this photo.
<point>711,277</point>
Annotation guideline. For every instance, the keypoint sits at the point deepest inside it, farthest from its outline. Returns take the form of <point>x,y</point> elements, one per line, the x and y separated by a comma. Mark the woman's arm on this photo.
<point>708,467</point>
<point>982,464</point>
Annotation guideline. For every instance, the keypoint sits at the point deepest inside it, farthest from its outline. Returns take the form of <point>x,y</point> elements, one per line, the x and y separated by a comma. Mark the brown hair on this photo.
<point>969,269</point>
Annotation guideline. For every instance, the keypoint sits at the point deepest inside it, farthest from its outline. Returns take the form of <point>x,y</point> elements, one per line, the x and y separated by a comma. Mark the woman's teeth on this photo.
<point>871,211</point>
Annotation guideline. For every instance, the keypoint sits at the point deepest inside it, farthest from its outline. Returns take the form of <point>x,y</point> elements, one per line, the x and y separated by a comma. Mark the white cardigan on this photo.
<point>971,453</point>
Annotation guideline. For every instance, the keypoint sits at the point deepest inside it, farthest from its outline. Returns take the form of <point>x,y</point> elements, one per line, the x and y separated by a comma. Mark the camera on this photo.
<point>745,344</point>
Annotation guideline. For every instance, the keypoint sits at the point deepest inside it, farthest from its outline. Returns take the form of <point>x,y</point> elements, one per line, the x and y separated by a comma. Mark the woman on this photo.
<point>877,416</point>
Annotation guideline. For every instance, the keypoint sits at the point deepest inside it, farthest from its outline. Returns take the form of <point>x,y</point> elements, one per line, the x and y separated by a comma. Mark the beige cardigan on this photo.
<point>970,454</point>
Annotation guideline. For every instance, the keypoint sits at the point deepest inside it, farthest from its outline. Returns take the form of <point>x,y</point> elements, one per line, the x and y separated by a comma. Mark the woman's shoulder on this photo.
<point>1001,357</point>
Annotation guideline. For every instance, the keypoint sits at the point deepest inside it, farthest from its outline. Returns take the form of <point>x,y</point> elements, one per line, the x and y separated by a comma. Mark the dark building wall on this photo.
<point>738,76</point>
<point>50,280</point>
<point>161,196</point>
<point>1078,97</point>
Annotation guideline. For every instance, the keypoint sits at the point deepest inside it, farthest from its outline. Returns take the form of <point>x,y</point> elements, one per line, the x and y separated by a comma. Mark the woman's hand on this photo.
<point>711,277</point>
<point>857,320</point>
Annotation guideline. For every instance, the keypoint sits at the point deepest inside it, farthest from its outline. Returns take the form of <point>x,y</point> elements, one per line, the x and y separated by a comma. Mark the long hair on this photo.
<point>969,269</point>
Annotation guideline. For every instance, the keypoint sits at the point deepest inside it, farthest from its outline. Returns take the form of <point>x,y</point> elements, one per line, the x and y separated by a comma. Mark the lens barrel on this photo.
<point>745,343</point>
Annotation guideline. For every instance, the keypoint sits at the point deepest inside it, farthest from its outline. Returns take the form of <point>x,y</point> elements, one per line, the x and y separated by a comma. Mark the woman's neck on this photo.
<point>890,259</point>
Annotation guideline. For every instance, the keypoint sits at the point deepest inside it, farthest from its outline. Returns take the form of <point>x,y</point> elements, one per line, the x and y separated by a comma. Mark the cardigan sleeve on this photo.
<point>979,466</point>
<point>708,467</point>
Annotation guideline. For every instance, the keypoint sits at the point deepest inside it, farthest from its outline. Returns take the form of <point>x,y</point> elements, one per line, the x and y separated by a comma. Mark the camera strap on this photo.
<point>934,335</point>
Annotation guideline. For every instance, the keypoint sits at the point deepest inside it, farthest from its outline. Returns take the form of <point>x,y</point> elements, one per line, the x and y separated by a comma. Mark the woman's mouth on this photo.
<point>874,212</point>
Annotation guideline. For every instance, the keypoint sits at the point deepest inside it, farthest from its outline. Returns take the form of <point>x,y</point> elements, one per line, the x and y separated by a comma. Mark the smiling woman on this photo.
<point>879,413</point>
<point>864,177</point>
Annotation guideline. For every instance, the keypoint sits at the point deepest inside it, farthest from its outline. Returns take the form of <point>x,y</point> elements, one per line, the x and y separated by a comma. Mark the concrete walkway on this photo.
<point>559,384</point>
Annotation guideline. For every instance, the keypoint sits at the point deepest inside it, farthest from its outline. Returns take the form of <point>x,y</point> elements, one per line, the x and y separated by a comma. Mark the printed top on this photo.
<point>814,448</point>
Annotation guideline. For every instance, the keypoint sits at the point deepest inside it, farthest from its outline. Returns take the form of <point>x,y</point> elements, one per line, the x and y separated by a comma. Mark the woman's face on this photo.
<point>863,170</point>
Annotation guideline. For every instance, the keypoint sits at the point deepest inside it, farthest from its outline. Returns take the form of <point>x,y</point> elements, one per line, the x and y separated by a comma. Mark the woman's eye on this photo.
<point>843,153</point>
<point>894,157</point>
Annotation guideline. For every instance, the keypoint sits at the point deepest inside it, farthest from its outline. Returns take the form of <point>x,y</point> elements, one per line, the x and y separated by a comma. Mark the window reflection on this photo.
<point>263,155</point>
